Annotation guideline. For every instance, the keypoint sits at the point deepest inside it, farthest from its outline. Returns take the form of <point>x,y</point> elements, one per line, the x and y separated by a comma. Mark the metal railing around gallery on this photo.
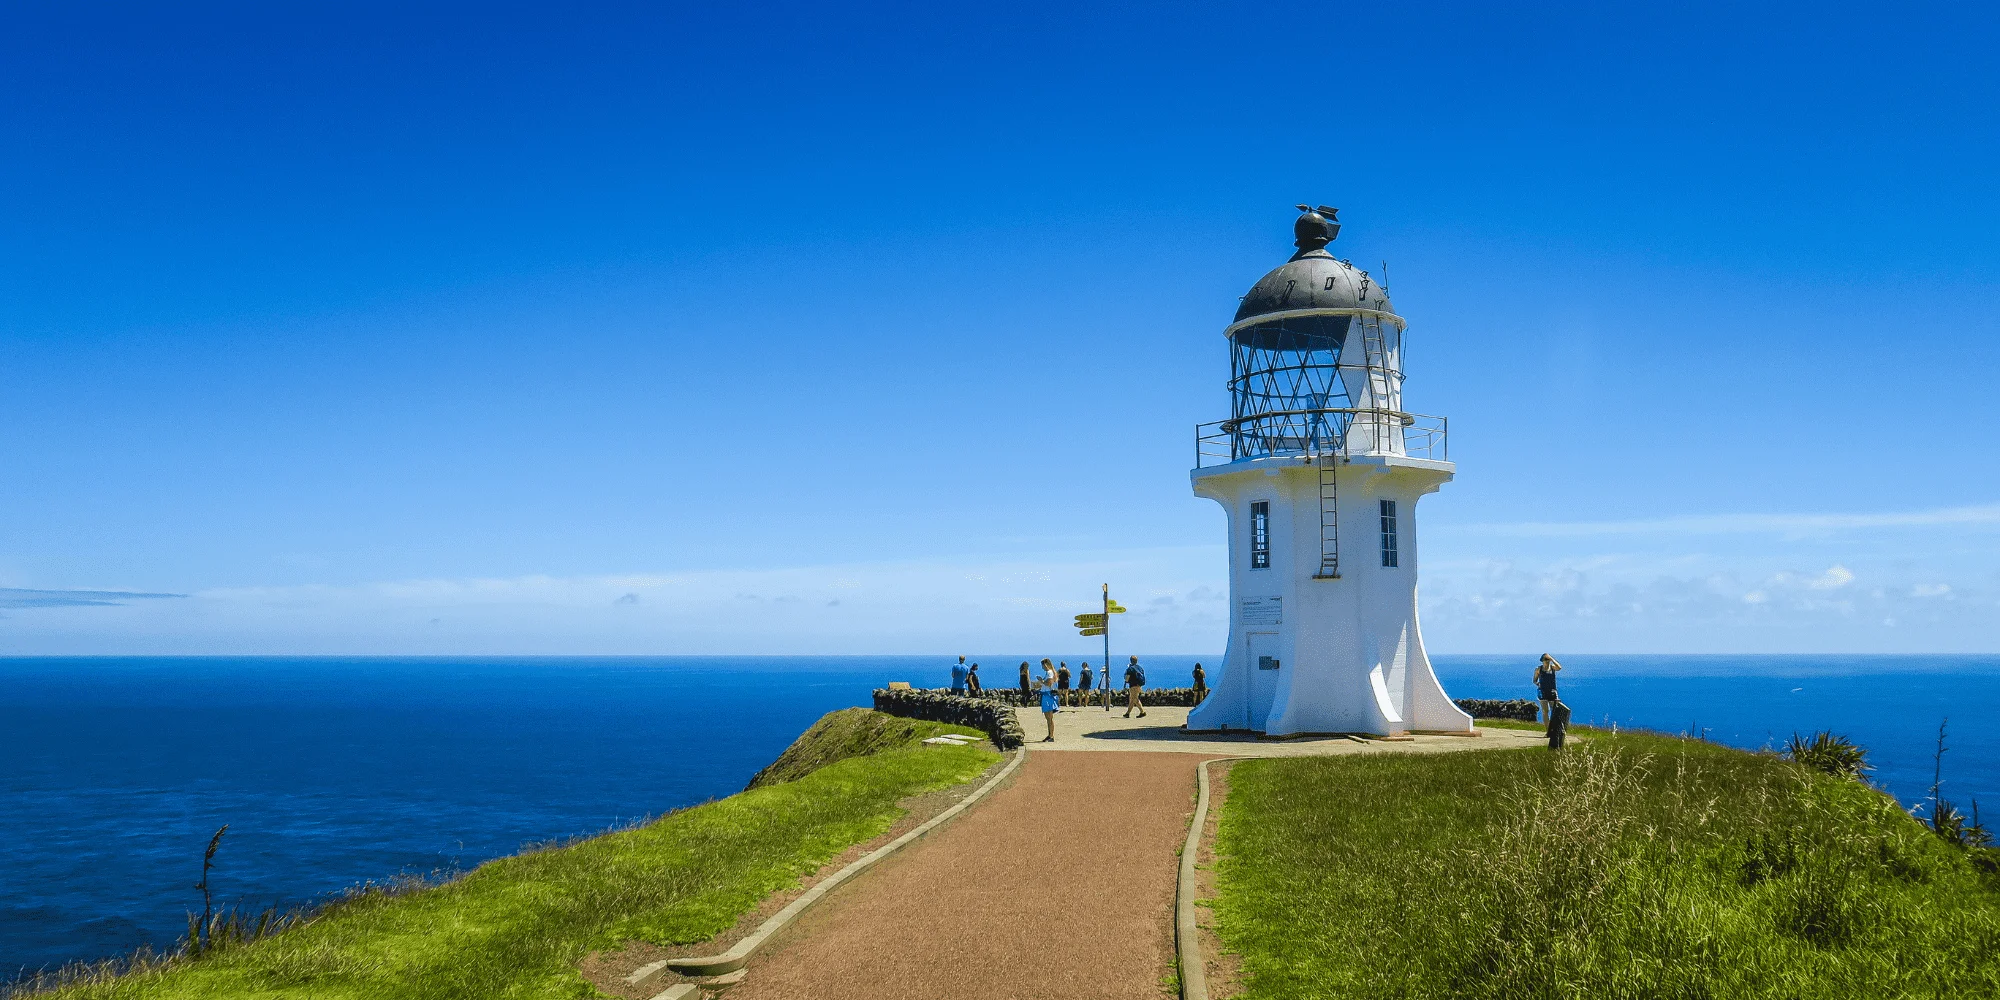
<point>1317,431</point>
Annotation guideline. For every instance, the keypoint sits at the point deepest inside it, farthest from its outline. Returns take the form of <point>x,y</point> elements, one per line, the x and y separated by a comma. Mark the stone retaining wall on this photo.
<point>989,716</point>
<point>1479,708</point>
<point>1183,697</point>
<point>1518,709</point>
<point>991,710</point>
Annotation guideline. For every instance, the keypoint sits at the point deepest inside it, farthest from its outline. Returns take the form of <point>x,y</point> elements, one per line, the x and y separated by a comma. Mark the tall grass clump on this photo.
<point>1828,753</point>
<point>1630,866</point>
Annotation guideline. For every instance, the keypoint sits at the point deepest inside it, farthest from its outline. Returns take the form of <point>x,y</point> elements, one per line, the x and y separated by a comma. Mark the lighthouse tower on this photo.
<point>1319,469</point>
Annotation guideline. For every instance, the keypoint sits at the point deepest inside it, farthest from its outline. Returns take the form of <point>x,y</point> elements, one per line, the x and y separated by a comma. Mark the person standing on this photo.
<point>1104,685</point>
<point>1135,685</point>
<point>958,673</point>
<point>972,679</point>
<point>1062,684</point>
<point>1200,684</point>
<point>1545,686</point>
<point>1025,686</point>
<point>1049,707</point>
<point>1083,687</point>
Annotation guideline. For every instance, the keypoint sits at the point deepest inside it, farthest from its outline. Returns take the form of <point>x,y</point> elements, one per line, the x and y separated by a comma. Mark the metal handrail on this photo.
<point>1221,441</point>
<point>1406,418</point>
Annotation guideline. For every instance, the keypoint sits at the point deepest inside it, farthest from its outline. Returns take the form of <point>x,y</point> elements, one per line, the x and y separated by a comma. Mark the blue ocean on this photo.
<point>333,772</point>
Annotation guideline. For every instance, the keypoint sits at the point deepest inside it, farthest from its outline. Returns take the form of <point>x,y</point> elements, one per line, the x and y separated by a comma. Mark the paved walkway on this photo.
<point>1060,885</point>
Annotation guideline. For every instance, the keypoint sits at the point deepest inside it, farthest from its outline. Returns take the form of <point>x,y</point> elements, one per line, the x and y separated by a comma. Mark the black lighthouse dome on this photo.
<point>1314,279</point>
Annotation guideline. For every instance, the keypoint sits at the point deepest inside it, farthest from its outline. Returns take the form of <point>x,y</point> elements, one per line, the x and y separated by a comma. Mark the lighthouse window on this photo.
<point>1389,533</point>
<point>1260,535</point>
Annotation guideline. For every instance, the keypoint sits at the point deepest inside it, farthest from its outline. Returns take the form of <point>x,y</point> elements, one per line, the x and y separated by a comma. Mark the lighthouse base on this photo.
<point>1313,654</point>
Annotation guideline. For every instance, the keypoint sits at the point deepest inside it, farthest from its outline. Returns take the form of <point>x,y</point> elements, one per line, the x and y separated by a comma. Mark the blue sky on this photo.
<point>835,329</point>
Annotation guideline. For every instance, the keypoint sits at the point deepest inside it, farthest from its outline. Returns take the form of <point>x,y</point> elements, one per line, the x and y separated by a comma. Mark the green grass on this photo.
<point>516,927</point>
<point>852,732</point>
<point>1628,866</point>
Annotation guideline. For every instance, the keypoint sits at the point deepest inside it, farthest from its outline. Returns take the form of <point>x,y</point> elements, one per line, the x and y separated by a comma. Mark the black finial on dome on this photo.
<point>1316,228</point>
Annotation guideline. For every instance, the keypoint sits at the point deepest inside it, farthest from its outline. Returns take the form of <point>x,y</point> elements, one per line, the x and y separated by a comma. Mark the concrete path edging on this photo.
<point>738,956</point>
<point>1187,933</point>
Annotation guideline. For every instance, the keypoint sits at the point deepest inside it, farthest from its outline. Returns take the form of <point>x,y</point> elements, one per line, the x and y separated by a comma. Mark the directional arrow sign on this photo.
<point>1089,621</point>
<point>1090,631</point>
<point>1115,608</point>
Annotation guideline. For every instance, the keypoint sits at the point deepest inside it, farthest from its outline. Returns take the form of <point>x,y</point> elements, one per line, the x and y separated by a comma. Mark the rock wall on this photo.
<point>1183,696</point>
<point>992,710</point>
<point>990,716</point>
<point>1518,709</point>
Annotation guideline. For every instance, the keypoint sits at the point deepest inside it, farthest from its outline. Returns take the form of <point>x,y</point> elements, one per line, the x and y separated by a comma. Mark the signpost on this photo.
<point>1099,623</point>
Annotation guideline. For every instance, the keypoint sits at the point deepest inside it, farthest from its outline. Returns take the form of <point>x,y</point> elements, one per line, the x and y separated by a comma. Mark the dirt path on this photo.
<point>1060,885</point>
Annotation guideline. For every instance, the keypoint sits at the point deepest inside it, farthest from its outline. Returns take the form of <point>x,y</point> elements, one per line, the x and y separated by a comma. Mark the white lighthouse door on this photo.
<point>1264,671</point>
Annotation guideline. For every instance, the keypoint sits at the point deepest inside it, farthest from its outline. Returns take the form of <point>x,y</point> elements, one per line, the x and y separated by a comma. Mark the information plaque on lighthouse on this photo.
<point>1319,468</point>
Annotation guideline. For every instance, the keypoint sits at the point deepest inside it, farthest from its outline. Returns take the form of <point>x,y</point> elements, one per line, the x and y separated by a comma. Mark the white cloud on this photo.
<point>1607,587</point>
<point>1777,524</point>
<point>911,607</point>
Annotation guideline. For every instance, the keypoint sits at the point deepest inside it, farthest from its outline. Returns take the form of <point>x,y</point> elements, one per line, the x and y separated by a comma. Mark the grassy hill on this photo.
<point>849,733</point>
<point>1628,866</point>
<point>516,927</point>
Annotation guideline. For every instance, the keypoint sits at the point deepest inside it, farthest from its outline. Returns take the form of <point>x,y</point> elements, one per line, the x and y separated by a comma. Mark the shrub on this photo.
<point>1829,753</point>
<point>1956,829</point>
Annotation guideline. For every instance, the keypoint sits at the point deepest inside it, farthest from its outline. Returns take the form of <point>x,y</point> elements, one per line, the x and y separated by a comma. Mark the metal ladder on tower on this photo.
<point>1329,516</point>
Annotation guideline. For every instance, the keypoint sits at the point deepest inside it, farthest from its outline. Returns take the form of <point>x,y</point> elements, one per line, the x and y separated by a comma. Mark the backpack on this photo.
<point>1135,675</point>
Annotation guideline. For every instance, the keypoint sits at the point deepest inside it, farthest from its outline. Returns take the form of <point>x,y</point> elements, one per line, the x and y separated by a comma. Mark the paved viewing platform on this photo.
<point>1160,731</point>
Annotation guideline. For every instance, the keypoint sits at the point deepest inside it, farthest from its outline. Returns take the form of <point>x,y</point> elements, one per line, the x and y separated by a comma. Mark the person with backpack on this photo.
<point>1135,685</point>
<point>1558,726</point>
<point>1200,684</point>
<point>1049,707</point>
<point>1083,686</point>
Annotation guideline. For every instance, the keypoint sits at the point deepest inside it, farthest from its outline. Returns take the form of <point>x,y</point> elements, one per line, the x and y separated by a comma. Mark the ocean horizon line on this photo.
<point>853,656</point>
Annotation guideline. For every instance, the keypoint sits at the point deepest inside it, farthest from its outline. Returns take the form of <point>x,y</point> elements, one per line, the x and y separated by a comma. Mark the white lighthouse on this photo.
<point>1319,469</point>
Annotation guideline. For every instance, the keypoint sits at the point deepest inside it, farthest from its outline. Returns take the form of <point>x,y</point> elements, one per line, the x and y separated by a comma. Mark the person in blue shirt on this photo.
<point>958,677</point>
<point>1049,707</point>
<point>1135,684</point>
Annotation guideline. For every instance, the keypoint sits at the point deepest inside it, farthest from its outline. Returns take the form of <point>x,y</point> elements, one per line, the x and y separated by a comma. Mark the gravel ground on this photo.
<point>1160,731</point>
<point>1060,885</point>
